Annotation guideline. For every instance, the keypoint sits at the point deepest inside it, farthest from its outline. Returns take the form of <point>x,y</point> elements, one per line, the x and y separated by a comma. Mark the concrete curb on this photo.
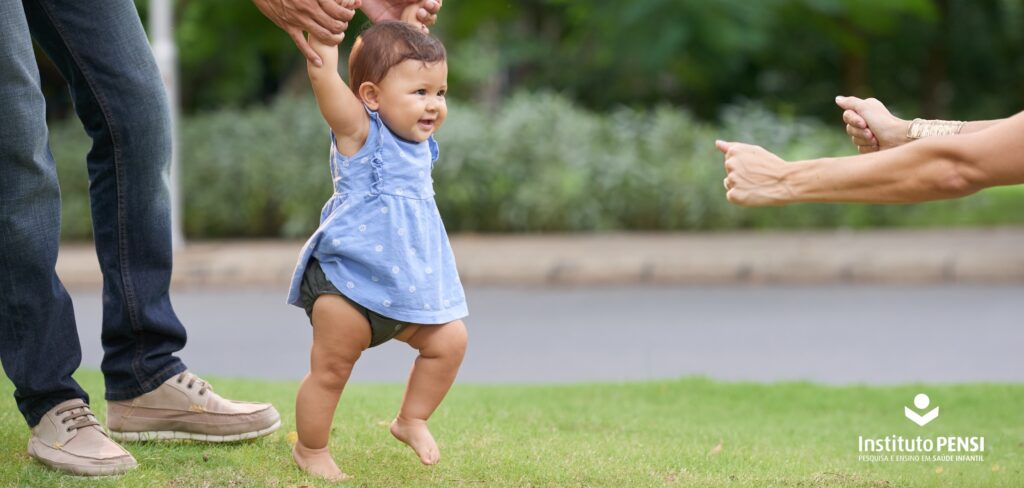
<point>903,256</point>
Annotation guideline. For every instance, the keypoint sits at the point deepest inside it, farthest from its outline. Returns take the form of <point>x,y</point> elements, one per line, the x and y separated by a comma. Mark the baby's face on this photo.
<point>412,100</point>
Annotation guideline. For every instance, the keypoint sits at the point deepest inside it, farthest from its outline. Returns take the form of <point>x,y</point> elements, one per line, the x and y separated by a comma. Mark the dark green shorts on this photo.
<point>315,283</point>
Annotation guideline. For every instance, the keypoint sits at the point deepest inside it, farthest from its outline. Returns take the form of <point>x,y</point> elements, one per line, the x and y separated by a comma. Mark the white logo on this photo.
<point>920,448</point>
<point>921,401</point>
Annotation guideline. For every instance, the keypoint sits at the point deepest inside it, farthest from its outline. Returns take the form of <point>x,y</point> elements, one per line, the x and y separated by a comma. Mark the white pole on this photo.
<point>161,28</point>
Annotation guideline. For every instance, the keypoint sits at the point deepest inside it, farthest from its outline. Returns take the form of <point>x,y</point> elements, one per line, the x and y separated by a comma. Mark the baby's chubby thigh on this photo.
<point>448,339</point>
<point>340,335</point>
<point>407,333</point>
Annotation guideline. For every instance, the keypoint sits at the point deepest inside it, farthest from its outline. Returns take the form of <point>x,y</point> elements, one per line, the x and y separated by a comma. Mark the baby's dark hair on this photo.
<point>385,45</point>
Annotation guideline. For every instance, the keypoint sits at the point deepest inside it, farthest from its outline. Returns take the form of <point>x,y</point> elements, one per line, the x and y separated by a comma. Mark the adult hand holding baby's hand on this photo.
<point>422,12</point>
<point>325,19</point>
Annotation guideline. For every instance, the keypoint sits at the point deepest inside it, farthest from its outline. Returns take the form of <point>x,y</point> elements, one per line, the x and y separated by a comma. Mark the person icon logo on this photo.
<point>921,401</point>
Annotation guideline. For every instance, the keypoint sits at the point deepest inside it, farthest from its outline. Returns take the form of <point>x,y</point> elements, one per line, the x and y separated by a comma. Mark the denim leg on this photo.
<point>39,344</point>
<point>102,51</point>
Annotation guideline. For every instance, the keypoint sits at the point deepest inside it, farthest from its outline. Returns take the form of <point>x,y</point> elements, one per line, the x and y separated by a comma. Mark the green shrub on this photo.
<point>538,163</point>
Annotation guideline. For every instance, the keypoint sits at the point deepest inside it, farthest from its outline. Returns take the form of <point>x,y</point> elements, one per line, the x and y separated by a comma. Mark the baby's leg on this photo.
<point>340,334</point>
<point>441,348</point>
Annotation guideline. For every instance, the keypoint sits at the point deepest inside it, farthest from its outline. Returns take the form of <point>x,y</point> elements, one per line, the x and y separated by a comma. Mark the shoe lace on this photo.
<point>79,414</point>
<point>193,380</point>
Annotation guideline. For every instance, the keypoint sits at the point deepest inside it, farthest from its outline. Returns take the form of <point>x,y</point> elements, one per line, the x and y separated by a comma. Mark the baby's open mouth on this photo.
<point>426,124</point>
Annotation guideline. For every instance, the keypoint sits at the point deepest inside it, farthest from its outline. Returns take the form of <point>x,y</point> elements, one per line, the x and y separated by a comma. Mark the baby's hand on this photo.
<point>411,16</point>
<point>328,54</point>
<point>423,12</point>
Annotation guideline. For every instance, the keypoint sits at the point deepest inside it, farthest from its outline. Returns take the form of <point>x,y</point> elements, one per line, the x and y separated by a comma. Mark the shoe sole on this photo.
<point>78,470</point>
<point>171,435</point>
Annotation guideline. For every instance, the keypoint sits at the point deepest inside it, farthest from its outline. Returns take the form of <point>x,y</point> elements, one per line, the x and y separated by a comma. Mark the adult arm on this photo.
<point>928,169</point>
<point>872,127</point>
<point>326,20</point>
<point>340,107</point>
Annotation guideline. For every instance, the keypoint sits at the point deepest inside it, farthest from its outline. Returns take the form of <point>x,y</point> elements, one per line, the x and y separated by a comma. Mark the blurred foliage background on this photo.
<point>577,116</point>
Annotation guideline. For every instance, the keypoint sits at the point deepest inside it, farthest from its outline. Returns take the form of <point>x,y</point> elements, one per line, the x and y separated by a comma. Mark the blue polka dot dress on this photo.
<point>381,241</point>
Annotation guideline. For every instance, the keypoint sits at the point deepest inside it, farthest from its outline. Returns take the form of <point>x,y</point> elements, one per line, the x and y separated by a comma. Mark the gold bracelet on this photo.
<point>927,128</point>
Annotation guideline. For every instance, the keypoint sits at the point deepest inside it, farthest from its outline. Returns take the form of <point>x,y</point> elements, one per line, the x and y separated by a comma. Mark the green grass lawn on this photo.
<point>689,432</point>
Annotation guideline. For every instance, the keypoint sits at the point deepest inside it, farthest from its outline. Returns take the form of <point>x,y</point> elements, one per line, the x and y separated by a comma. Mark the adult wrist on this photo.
<point>904,126</point>
<point>921,128</point>
<point>794,182</point>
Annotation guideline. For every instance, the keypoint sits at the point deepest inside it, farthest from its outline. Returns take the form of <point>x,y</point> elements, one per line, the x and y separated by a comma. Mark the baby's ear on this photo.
<point>369,93</point>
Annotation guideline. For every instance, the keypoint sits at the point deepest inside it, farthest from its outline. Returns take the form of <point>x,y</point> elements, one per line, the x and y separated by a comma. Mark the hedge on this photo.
<point>538,163</point>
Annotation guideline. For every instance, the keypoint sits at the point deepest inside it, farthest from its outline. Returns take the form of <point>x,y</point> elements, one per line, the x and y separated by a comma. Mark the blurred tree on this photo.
<point>957,58</point>
<point>795,55</point>
<point>229,53</point>
<point>823,48</point>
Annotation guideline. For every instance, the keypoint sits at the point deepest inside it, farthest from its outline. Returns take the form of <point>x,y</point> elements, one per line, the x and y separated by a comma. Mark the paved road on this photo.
<point>832,334</point>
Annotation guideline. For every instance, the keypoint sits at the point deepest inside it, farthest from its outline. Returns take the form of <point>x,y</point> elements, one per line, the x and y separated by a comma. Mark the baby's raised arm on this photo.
<point>340,107</point>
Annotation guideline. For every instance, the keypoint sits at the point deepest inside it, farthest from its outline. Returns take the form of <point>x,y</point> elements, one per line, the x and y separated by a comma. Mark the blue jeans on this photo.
<point>101,50</point>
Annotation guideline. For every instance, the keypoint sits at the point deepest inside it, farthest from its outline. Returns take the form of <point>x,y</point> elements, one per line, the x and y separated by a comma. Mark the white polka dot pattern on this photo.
<point>381,237</point>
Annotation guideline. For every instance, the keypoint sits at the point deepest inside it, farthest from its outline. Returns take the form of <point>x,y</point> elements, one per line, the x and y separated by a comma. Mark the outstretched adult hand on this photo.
<point>870,125</point>
<point>754,176</point>
<point>378,10</point>
<point>325,19</point>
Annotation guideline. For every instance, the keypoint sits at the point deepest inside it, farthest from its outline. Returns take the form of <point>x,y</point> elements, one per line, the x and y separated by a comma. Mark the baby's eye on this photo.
<point>421,91</point>
<point>442,93</point>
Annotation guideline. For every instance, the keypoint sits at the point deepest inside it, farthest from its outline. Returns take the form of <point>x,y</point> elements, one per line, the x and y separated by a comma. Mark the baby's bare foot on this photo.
<point>317,462</point>
<point>416,435</point>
